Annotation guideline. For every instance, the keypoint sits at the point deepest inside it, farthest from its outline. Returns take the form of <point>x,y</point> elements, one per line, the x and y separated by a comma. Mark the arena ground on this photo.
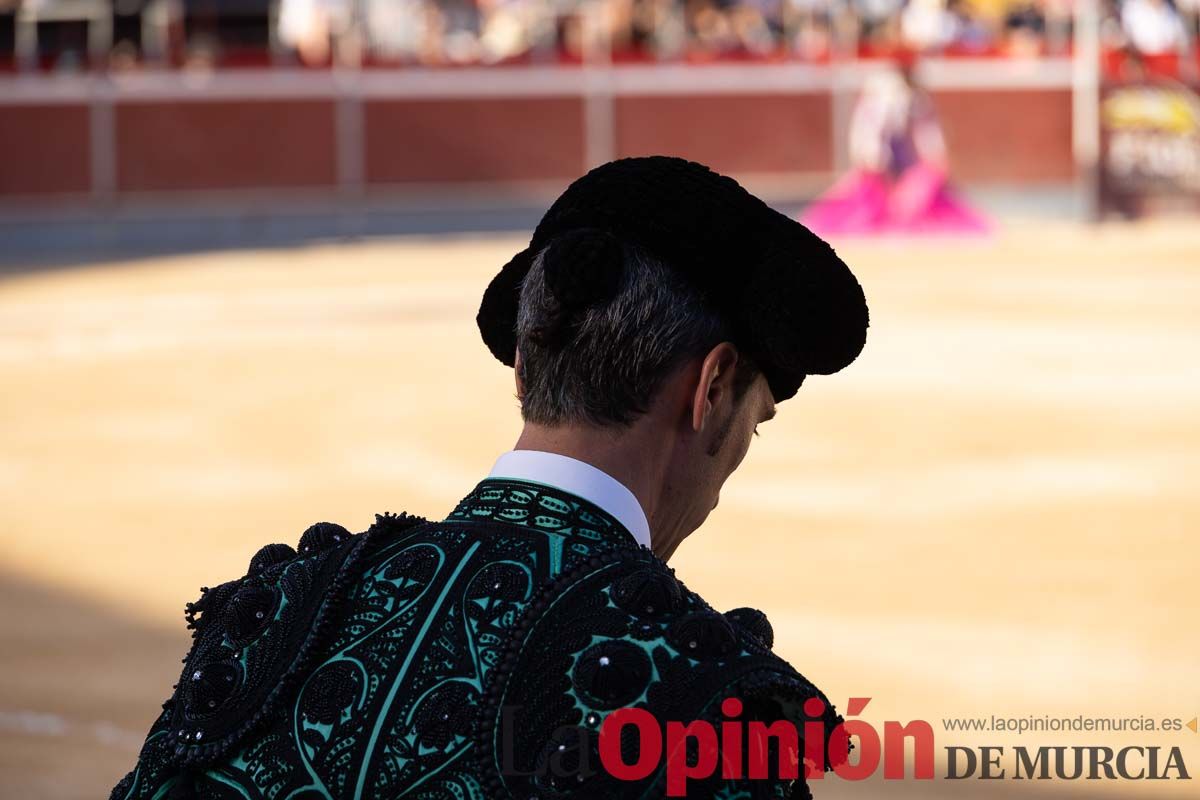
<point>994,512</point>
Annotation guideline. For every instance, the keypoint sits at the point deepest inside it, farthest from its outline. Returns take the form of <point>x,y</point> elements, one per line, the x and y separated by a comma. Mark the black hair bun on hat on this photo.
<point>580,268</point>
<point>583,268</point>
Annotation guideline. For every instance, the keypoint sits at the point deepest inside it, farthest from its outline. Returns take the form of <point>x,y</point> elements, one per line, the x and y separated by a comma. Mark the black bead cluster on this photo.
<point>212,685</point>
<point>320,536</point>
<point>703,634</point>
<point>206,721</point>
<point>611,674</point>
<point>250,612</point>
<point>753,622</point>
<point>567,761</point>
<point>330,691</point>
<point>269,556</point>
<point>445,715</point>
<point>648,593</point>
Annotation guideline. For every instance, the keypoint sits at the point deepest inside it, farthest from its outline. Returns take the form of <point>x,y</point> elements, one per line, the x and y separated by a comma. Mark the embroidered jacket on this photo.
<point>471,658</point>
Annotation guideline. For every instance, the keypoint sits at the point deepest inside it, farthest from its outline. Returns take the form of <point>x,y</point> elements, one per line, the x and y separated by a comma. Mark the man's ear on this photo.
<point>519,376</point>
<point>715,385</point>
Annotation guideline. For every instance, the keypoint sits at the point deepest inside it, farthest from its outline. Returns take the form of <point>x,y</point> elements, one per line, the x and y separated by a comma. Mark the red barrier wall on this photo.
<point>731,133</point>
<point>44,149</point>
<point>233,144</point>
<point>497,140</point>
<point>174,137</point>
<point>1002,135</point>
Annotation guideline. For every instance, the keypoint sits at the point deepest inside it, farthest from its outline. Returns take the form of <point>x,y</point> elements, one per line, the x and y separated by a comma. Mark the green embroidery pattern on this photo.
<point>383,666</point>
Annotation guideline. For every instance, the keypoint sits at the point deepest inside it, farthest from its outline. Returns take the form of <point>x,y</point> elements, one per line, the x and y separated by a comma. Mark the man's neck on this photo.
<point>624,454</point>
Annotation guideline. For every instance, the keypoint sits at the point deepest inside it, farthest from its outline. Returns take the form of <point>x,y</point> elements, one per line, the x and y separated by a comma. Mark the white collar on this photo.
<point>580,479</point>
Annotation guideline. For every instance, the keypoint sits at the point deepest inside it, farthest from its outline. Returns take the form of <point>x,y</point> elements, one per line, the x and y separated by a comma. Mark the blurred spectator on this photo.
<point>123,57</point>
<point>306,26</point>
<point>1153,26</point>
<point>710,27</point>
<point>1060,25</point>
<point>876,14</point>
<point>926,25</point>
<point>509,29</point>
<point>1025,28</point>
<point>810,23</point>
<point>395,29</point>
<point>1189,10</point>
<point>225,33</point>
<point>969,33</point>
<point>650,28</point>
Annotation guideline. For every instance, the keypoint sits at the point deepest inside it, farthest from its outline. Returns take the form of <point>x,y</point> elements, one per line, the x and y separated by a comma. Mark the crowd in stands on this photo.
<point>62,34</point>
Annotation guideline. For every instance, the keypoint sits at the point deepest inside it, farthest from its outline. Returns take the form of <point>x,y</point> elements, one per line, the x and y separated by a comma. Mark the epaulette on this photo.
<point>621,631</point>
<point>254,639</point>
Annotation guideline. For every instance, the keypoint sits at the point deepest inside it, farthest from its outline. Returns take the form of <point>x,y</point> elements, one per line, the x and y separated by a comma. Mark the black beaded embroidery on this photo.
<point>648,593</point>
<point>755,623</point>
<point>579,652</point>
<point>383,664</point>
<point>611,674</point>
<point>703,634</point>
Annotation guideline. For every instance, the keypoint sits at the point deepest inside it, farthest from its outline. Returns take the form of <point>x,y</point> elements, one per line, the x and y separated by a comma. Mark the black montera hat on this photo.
<point>793,306</point>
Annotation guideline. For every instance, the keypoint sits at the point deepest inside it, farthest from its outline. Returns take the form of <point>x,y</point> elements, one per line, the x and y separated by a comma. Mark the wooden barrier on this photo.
<point>379,130</point>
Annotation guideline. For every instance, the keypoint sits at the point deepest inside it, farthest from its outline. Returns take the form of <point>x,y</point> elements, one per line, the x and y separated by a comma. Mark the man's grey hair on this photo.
<point>615,354</point>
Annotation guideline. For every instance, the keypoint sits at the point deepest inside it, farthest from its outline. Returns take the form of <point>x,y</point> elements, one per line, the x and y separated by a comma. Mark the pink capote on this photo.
<point>898,183</point>
<point>918,201</point>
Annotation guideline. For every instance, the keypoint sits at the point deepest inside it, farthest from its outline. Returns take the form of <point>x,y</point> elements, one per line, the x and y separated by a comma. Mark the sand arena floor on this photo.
<point>994,512</point>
